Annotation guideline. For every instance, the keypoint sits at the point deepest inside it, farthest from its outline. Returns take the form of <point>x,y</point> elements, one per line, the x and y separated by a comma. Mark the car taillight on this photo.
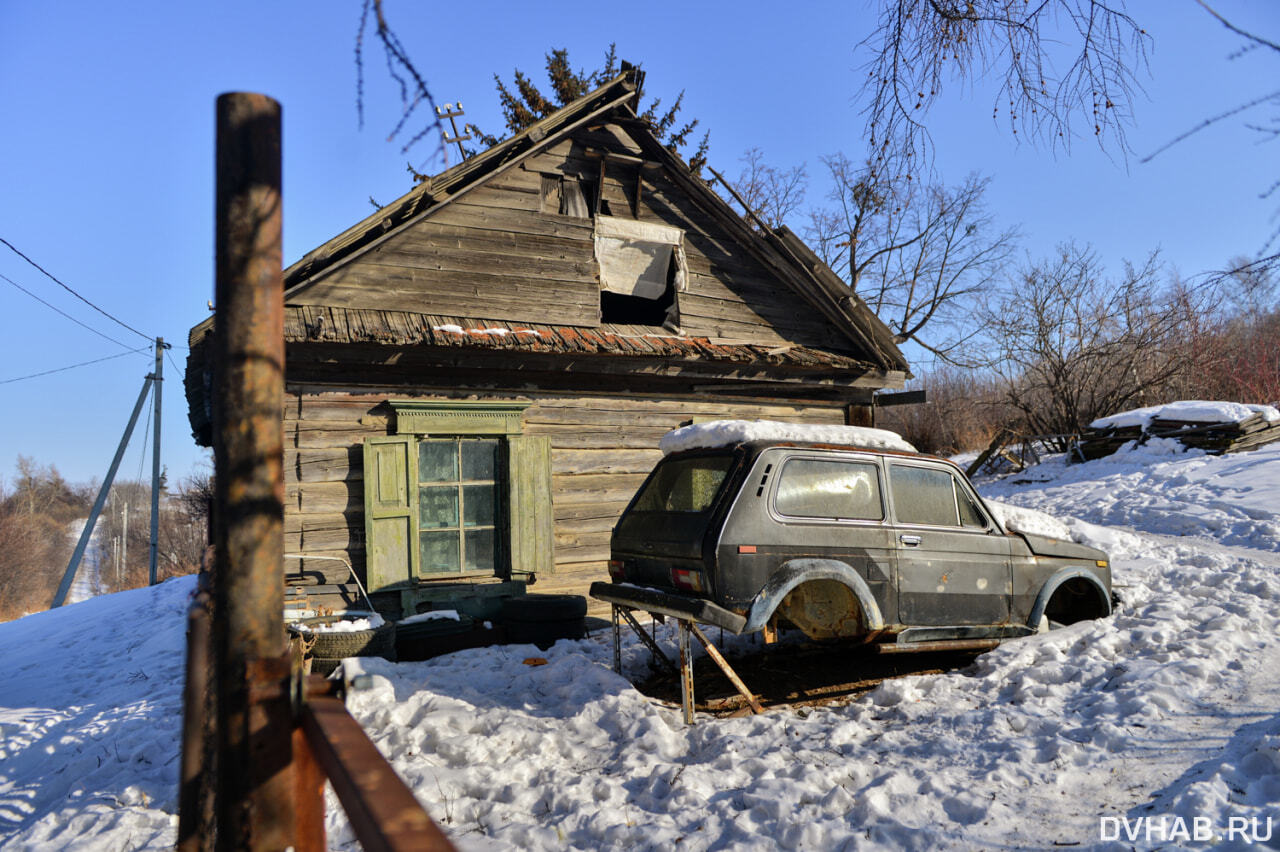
<point>684,578</point>
<point>617,570</point>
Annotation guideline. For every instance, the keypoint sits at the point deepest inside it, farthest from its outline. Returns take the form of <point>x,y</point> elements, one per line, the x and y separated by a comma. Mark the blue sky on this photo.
<point>106,155</point>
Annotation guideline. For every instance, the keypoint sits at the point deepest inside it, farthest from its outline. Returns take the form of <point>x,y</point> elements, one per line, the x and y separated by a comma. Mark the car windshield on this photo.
<point>684,485</point>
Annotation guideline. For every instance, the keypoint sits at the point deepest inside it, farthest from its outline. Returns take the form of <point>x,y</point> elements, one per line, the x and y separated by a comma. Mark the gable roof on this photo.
<point>783,254</point>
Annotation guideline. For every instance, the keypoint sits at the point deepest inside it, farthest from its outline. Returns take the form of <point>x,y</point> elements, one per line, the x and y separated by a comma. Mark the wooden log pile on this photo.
<point>1216,438</point>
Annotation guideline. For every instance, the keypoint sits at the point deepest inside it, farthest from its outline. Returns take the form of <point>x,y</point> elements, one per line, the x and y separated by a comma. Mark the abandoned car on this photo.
<point>858,538</point>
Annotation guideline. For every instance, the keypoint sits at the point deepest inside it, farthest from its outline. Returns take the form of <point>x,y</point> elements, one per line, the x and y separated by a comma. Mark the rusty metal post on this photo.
<point>617,641</point>
<point>686,669</point>
<point>195,811</point>
<point>720,661</point>
<point>254,781</point>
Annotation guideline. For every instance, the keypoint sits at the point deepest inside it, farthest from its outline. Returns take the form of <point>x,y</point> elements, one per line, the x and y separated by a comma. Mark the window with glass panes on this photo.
<point>459,512</point>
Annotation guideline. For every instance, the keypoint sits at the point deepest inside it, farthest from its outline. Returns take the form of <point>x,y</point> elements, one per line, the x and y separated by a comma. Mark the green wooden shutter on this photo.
<point>390,501</point>
<point>529,503</point>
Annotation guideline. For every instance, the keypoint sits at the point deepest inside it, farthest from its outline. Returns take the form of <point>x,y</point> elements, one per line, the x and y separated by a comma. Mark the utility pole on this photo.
<point>155,463</point>
<point>61,595</point>
<point>124,535</point>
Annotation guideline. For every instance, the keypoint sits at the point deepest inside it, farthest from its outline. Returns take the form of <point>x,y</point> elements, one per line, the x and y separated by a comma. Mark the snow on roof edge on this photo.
<point>720,433</point>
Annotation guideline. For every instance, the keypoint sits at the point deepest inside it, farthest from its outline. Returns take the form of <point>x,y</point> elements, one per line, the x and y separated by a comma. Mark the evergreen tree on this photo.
<point>523,103</point>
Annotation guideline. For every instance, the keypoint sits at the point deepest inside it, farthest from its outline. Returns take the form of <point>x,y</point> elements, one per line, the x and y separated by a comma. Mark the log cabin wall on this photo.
<point>602,448</point>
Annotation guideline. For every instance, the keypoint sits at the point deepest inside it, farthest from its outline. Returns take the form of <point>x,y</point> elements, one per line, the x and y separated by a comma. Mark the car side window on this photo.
<point>923,495</point>
<point>819,488</point>
<point>971,517</point>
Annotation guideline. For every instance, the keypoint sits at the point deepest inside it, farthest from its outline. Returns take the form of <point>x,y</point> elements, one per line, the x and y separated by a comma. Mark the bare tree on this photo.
<point>412,85</point>
<point>771,193</point>
<point>917,255</point>
<point>1072,346</point>
<point>1058,62</point>
<point>1061,66</point>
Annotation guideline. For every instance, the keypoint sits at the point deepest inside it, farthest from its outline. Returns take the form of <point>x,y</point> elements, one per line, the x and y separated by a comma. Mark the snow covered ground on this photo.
<point>1156,728</point>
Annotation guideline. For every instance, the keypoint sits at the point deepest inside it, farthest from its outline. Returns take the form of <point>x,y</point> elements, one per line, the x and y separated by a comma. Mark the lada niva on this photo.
<point>841,541</point>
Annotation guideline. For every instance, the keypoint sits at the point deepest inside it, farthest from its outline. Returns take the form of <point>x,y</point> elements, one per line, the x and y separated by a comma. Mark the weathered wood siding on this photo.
<point>498,253</point>
<point>602,447</point>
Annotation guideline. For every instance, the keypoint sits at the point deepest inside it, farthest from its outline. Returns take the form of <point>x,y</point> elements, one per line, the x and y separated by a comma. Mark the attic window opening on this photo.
<point>642,269</point>
<point>568,196</point>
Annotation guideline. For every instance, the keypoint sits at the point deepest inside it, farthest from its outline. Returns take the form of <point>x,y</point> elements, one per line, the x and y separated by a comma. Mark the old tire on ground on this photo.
<point>544,619</point>
<point>338,645</point>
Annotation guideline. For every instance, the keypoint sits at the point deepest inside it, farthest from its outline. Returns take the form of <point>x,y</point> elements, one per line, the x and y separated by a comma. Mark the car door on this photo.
<point>953,565</point>
<point>830,506</point>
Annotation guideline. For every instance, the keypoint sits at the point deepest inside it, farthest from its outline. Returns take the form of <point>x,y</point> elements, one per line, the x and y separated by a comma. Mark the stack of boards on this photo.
<point>1214,438</point>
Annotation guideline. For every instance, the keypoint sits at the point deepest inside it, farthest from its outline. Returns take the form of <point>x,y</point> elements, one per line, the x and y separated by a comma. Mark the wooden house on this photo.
<point>478,374</point>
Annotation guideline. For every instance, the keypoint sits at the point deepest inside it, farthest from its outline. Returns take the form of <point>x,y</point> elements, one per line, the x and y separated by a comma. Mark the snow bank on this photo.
<point>1165,709</point>
<point>1191,411</point>
<point>720,433</point>
<point>90,722</point>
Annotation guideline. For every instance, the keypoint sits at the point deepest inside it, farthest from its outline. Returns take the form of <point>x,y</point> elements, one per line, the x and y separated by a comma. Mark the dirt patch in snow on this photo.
<point>798,676</point>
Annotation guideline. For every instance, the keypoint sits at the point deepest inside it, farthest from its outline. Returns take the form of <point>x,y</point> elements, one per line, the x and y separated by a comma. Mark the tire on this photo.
<point>544,608</point>
<point>375,642</point>
<point>544,619</point>
<point>544,634</point>
<point>324,667</point>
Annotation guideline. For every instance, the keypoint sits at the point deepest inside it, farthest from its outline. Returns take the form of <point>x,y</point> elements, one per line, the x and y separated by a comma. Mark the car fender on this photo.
<point>1051,585</point>
<point>797,571</point>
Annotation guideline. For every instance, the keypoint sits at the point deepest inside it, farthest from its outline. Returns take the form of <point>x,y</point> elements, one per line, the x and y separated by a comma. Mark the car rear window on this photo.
<point>684,485</point>
<point>818,488</point>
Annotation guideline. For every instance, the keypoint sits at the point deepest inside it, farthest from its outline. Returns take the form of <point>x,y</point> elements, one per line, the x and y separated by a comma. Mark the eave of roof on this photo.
<point>313,324</point>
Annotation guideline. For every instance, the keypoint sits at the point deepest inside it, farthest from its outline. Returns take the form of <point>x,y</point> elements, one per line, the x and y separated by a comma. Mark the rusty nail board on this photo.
<point>383,812</point>
<point>728,671</point>
<point>940,645</point>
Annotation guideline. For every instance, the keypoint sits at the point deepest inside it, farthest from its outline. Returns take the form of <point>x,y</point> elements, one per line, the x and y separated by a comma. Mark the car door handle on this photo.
<point>910,540</point>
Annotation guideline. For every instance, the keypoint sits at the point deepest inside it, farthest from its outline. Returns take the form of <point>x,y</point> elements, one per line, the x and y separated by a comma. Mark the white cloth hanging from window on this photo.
<point>634,256</point>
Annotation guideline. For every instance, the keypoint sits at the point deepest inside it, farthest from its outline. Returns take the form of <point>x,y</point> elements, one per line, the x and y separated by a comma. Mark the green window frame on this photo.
<point>456,472</point>
<point>459,506</point>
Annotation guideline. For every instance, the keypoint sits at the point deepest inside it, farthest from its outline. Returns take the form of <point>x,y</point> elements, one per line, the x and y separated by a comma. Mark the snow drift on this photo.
<point>1165,709</point>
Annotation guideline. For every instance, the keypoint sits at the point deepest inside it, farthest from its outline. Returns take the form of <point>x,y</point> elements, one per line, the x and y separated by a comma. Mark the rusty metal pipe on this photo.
<point>254,783</point>
<point>383,811</point>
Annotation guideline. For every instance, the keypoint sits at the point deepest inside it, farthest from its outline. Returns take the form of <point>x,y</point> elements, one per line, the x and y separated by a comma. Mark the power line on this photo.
<point>73,366</point>
<point>49,275</point>
<point>176,369</point>
<point>64,313</point>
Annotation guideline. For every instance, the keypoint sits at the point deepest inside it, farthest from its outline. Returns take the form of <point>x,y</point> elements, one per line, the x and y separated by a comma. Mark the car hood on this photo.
<point>1043,545</point>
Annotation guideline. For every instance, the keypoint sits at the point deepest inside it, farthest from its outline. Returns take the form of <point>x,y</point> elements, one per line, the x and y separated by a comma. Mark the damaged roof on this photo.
<point>781,252</point>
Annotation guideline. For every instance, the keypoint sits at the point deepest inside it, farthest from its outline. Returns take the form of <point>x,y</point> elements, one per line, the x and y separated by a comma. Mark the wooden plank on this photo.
<point>325,497</point>
<point>604,461</point>
<point>519,262</point>
<point>482,217</point>
<point>324,465</point>
<point>436,233</point>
